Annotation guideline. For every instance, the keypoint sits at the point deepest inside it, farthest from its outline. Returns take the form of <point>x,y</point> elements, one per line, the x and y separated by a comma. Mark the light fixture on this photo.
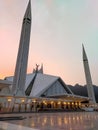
<point>51,102</point>
<point>34,101</point>
<point>59,102</point>
<point>22,100</point>
<point>9,99</point>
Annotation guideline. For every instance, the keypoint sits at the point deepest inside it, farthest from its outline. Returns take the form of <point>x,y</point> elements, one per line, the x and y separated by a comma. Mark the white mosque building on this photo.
<point>41,89</point>
<point>31,92</point>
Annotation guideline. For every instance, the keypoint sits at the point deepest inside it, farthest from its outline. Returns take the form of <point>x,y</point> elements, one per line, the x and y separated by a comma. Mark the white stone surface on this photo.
<point>55,121</point>
<point>90,89</point>
<point>8,126</point>
<point>22,57</point>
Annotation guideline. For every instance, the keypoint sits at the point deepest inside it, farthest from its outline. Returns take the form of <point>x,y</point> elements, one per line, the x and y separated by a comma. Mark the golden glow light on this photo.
<point>44,102</point>
<point>34,100</point>
<point>22,100</point>
<point>59,102</point>
<point>51,102</point>
<point>9,100</point>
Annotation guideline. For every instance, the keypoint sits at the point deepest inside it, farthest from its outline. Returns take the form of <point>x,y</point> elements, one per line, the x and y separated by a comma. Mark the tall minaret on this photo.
<point>22,58</point>
<point>90,89</point>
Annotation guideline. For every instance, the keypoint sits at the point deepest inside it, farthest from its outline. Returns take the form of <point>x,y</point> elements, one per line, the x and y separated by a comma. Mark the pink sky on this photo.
<point>59,27</point>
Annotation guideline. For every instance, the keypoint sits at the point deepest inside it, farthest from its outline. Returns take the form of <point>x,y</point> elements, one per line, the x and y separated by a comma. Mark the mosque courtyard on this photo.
<point>52,121</point>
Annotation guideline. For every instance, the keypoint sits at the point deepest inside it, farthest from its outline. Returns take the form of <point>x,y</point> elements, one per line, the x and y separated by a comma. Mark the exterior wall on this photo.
<point>5,90</point>
<point>56,88</point>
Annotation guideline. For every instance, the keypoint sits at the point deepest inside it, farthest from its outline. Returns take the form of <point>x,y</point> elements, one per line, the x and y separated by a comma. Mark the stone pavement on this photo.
<point>55,121</point>
<point>8,126</point>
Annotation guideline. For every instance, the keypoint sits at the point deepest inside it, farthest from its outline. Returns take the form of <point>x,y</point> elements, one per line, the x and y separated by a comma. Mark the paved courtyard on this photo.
<point>53,121</point>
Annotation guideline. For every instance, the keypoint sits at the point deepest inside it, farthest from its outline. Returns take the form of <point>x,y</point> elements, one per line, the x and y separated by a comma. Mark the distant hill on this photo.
<point>82,90</point>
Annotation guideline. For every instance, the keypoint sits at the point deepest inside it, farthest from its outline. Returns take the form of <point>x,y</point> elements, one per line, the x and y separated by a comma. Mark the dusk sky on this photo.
<point>59,27</point>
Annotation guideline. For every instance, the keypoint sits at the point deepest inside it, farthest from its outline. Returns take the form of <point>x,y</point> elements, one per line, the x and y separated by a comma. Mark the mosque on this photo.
<point>38,91</point>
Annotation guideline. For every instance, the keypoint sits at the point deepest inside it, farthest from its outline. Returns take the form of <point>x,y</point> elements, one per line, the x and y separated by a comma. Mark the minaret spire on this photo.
<point>28,11</point>
<point>84,54</point>
<point>88,77</point>
<point>22,58</point>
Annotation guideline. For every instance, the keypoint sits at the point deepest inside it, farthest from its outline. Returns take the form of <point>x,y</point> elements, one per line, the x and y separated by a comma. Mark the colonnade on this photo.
<point>20,104</point>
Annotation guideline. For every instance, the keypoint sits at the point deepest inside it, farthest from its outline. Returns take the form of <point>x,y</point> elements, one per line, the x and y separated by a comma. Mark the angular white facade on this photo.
<point>44,85</point>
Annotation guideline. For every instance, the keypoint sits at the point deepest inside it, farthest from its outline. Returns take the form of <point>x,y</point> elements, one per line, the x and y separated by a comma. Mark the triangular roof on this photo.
<point>41,83</point>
